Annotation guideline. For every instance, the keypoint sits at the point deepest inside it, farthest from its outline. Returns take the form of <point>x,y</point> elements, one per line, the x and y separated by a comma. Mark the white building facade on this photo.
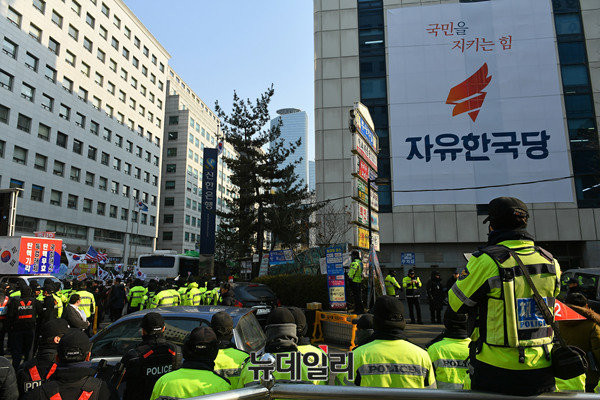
<point>190,126</point>
<point>81,122</point>
<point>351,65</point>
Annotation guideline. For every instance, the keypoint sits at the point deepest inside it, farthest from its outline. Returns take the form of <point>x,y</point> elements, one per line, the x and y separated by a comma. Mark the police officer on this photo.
<point>355,273</point>
<point>22,314</point>
<point>411,284</point>
<point>364,329</point>
<point>390,360</point>
<point>74,375</point>
<point>88,303</point>
<point>196,377</point>
<point>8,381</point>
<point>229,361</point>
<point>436,296</point>
<point>391,284</point>
<point>39,369</point>
<point>192,295</point>
<point>512,352</point>
<point>65,293</point>
<point>281,339</point>
<point>152,290</point>
<point>304,345</point>
<point>149,360</point>
<point>135,297</point>
<point>52,303</point>
<point>164,298</point>
<point>449,355</point>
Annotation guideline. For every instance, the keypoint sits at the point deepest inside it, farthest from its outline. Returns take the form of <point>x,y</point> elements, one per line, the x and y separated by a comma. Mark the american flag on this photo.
<point>93,256</point>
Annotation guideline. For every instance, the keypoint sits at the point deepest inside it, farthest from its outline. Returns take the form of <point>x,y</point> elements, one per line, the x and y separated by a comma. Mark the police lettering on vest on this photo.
<point>159,371</point>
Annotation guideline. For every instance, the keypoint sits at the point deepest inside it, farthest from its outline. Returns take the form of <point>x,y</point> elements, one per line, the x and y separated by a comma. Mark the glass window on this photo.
<point>75,174</point>
<point>40,5</point>
<point>579,105</point>
<point>104,159</point>
<point>567,24</point>
<point>41,162</point>
<point>572,52</point>
<point>37,193</point>
<point>373,88</point>
<point>76,7</point>
<point>170,185</point>
<point>171,168</point>
<point>24,123</point>
<point>105,10</point>
<point>50,73</point>
<point>87,44</point>
<point>27,92</point>
<point>77,146</point>
<point>55,197</point>
<point>100,208</point>
<point>574,75</point>
<point>64,112</point>
<point>9,48</point>
<point>57,18</point>
<point>59,168</point>
<point>102,183</point>
<point>44,132</point>
<point>20,155</point>
<point>31,61</point>
<point>35,32</point>
<point>87,205</point>
<point>14,17</point>
<point>117,22</point>
<point>54,46</point>
<point>91,21</point>
<point>172,135</point>
<point>73,32</point>
<point>72,201</point>
<point>103,32</point>
<point>89,178</point>
<point>127,32</point>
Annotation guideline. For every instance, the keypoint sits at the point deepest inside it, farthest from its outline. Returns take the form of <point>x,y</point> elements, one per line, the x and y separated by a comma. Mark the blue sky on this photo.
<point>219,46</point>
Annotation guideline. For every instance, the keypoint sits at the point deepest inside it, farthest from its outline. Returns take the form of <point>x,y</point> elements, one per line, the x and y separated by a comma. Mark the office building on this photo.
<point>190,126</point>
<point>81,114</point>
<point>294,126</point>
<point>311,175</point>
<point>352,50</point>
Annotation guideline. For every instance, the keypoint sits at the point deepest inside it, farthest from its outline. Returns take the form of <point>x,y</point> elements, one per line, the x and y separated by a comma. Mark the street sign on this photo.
<point>407,258</point>
<point>361,237</point>
<point>361,148</point>
<point>335,276</point>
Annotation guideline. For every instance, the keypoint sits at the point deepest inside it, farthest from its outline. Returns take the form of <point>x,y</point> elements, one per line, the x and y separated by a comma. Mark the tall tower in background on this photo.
<point>294,125</point>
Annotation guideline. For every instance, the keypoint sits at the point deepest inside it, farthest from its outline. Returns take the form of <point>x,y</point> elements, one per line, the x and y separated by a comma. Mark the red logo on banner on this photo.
<point>467,96</point>
<point>363,170</point>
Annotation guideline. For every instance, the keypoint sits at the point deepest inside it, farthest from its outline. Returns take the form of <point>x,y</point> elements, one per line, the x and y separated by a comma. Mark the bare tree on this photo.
<point>333,224</point>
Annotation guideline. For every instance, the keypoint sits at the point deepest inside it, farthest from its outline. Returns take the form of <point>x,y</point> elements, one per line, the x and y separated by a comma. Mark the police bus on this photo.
<point>168,264</point>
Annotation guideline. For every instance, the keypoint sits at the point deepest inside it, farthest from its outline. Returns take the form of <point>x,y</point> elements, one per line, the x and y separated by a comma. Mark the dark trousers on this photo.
<point>414,302</point>
<point>356,289</point>
<point>115,313</point>
<point>20,344</point>
<point>436,313</point>
<point>2,335</point>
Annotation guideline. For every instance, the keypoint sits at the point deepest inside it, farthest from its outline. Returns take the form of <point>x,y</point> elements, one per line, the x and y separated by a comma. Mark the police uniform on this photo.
<point>22,315</point>
<point>164,298</point>
<point>150,360</point>
<point>572,385</point>
<point>192,295</point>
<point>196,377</point>
<point>88,303</point>
<point>355,273</point>
<point>391,284</point>
<point>390,360</point>
<point>135,298</point>
<point>449,359</point>
<point>229,360</point>
<point>512,343</point>
<point>412,285</point>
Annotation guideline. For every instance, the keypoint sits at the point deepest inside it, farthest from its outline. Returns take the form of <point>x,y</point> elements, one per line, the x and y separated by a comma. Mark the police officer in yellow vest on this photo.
<point>411,284</point>
<point>390,360</point>
<point>135,297</point>
<point>164,297</point>
<point>230,360</point>
<point>304,345</point>
<point>88,303</point>
<point>192,295</point>
<point>391,284</point>
<point>449,355</point>
<point>510,353</point>
<point>196,377</point>
<point>355,273</point>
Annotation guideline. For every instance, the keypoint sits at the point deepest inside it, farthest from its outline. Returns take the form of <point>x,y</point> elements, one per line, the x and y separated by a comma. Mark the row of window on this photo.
<point>194,97</point>
<point>10,48</point>
<point>72,201</point>
<point>44,132</point>
<point>42,163</point>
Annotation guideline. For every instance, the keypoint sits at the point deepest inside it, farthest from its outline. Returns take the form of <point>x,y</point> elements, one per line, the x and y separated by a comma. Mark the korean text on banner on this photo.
<point>39,255</point>
<point>209,201</point>
<point>475,100</point>
<point>334,257</point>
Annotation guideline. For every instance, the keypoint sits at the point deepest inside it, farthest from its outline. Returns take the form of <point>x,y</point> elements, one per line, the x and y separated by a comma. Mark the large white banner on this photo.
<point>475,101</point>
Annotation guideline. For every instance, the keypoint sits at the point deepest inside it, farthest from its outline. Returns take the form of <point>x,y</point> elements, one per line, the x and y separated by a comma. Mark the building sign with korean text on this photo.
<point>209,201</point>
<point>359,190</point>
<point>475,100</point>
<point>334,257</point>
<point>363,128</point>
<point>361,148</point>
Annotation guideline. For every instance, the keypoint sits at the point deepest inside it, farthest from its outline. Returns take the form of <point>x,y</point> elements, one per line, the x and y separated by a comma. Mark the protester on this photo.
<point>116,300</point>
<point>436,296</point>
<point>74,315</point>
<point>226,295</point>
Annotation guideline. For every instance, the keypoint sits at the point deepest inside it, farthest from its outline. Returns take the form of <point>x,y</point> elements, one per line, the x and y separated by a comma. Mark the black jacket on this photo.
<point>15,310</point>
<point>227,299</point>
<point>43,361</point>
<point>146,363</point>
<point>74,318</point>
<point>70,379</point>
<point>116,299</point>
<point>8,381</point>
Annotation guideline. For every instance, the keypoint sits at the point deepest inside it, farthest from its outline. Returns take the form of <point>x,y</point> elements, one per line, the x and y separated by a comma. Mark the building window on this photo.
<point>64,112</point>
<point>27,92</point>
<point>67,84</point>
<point>113,211</point>
<point>75,174</point>
<point>70,58</point>
<point>50,74</point>
<point>57,19</point>
<point>54,46</point>
<point>85,69</point>
<point>80,120</point>
<point>6,80</point>
<point>35,32</point>
<point>72,201</point>
<point>173,120</point>
<point>117,164</point>
<point>44,132</point>
<point>100,210</point>
<point>61,139</point>
<point>55,197</point>
<point>167,236</point>
<point>169,185</point>
<point>89,178</point>
<point>171,168</point>
<point>94,128</point>
<point>47,102</point>
<point>136,42</point>
<point>172,152</point>
<point>59,168</point>
<point>41,162</point>
<point>87,205</point>
<point>73,32</point>
<point>105,10</point>
<point>114,43</point>
<point>24,123</point>
<point>103,32</point>
<point>76,7</point>
<point>87,44</point>
<point>169,201</point>
<point>103,183</point>
<point>77,146</point>
<point>114,187</point>
<point>104,158</point>
<point>117,22</point>
<point>14,17</point>
<point>40,5</point>
<point>37,193</point>
<point>127,32</point>
<point>124,214</point>
<point>31,61</point>
<point>91,21</point>
<point>10,48</point>
<point>125,53</point>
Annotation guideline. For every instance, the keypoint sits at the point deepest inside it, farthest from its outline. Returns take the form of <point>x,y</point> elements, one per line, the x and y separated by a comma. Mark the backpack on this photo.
<point>90,390</point>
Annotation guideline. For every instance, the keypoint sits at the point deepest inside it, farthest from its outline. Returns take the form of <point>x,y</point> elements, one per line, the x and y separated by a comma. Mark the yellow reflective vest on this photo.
<point>356,270</point>
<point>135,297</point>
<point>576,384</point>
<point>390,285</point>
<point>164,298</point>
<point>88,303</point>
<point>390,363</point>
<point>229,363</point>
<point>449,358</point>
<point>186,382</point>
<point>513,335</point>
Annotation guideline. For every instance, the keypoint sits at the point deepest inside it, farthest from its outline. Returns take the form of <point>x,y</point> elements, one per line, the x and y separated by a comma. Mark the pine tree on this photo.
<point>270,197</point>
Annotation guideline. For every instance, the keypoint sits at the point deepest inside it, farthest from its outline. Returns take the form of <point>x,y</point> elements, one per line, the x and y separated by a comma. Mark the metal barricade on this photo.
<point>320,392</point>
<point>334,328</point>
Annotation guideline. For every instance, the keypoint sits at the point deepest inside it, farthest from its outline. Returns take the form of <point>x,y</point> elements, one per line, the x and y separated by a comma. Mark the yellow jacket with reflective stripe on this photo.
<point>247,376</point>
<point>356,270</point>
<point>449,358</point>
<point>309,348</point>
<point>185,383</point>
<point>576,384</point>
<point>192,297</point>
<point>506,296</point>
<point>88,303</point>
<point>229,364</point>
<point>390,285</point>
<point>136,294</point>
<point>164,298</point>
<point>390,363</point>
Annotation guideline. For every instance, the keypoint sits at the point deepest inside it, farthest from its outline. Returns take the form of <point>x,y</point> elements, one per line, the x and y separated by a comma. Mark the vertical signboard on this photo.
<point>334,258</point>
<point>209,199</point>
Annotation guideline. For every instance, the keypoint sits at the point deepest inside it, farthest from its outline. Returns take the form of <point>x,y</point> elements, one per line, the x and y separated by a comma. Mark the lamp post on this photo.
<point>371,290</point>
